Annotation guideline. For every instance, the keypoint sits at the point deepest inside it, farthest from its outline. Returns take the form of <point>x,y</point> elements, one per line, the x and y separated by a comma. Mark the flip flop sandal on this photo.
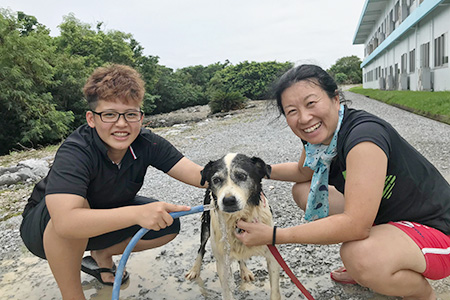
<point>89,266</point>
<point>342,269</point>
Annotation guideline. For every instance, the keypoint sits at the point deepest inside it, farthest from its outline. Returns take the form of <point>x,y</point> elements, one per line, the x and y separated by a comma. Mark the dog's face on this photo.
<point>235,181</point>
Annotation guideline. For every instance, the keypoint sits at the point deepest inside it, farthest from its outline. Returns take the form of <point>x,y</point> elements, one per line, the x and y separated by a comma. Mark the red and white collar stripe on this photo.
<point>132,152</point>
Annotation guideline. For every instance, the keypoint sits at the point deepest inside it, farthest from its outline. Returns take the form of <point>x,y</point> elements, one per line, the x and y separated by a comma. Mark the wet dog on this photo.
<point>235,193</point>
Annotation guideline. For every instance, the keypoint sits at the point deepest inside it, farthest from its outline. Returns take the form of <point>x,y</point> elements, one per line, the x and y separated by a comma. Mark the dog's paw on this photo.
<point>247,276</point>
<point>192,274</point>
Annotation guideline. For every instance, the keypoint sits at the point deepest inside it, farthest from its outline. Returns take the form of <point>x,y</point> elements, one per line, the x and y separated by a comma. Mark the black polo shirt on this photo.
<point>82,167</point>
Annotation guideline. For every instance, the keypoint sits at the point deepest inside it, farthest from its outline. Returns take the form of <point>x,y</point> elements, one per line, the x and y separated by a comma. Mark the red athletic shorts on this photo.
<point>434,244</point>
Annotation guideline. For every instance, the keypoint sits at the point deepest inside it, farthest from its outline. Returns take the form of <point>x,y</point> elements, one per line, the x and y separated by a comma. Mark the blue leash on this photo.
<point>133,242</point>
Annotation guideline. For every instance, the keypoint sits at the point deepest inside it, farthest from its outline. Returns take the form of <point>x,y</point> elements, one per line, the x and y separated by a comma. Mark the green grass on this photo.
<point>435,105</point>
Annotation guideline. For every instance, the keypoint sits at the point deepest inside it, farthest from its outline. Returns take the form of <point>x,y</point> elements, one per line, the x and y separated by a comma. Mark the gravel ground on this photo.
<point>159,273</point>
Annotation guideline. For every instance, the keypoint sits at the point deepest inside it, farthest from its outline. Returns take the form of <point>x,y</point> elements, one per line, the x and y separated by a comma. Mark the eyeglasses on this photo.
<point>113,116</point>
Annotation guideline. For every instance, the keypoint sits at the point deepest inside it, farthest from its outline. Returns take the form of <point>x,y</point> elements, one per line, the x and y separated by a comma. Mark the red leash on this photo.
<point>288,271</point>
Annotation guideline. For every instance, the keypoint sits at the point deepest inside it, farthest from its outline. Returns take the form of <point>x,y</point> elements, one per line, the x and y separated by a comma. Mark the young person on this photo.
<point>360,184</point>
<point>88,200</point>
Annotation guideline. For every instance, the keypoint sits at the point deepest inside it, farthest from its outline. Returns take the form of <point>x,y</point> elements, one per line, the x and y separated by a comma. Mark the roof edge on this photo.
<point>415,17</point>
<point>363,12</point>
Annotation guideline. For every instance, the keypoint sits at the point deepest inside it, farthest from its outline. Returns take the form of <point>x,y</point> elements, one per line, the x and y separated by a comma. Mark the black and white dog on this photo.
<point>235,193</point>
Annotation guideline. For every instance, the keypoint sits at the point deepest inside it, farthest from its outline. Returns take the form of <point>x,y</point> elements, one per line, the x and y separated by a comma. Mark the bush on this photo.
<point>340,78</point>
<point>350,66</point>
<point>226,101</point>
<point>252,79</point>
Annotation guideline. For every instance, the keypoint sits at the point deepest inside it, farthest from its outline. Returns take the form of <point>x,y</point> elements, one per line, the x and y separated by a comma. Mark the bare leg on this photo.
<point>104,257</point>
<point>64,257</point>
<point>389,262</point>
<point>300,193</point>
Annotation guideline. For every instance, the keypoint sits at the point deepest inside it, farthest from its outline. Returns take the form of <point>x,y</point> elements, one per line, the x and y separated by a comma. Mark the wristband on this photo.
<point>274,235</point>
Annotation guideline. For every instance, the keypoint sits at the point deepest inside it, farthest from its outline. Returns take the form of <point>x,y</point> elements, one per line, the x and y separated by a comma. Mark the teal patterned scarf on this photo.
<point>318,159</point>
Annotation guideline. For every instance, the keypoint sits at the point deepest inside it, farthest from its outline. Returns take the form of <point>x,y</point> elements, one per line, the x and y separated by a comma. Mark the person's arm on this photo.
<point>292,171</point>
<point>73,218</point>
<point>366,172</point>
<point>187,171</point>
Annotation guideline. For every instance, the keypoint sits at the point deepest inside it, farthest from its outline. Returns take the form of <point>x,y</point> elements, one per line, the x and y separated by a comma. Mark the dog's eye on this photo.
<point>241,176</point>
<point>216,180</point>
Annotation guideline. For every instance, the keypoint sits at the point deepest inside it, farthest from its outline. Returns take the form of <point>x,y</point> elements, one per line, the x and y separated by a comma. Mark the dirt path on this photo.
<point>159,274</point>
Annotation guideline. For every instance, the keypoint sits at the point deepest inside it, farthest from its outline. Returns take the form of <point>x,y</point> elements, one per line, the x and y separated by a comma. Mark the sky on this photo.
<point>201,32</point>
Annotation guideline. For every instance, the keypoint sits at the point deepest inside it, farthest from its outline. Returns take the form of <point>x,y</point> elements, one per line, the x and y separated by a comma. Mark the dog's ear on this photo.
<point>206,173</point>
<point>264,170</point>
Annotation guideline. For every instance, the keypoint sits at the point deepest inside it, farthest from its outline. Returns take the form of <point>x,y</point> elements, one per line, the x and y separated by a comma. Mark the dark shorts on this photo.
<point>36,219</point>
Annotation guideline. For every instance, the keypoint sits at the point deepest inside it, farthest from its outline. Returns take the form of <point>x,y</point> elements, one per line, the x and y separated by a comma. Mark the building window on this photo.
<point>440,57</point>
<point>404,63</point>
<point>425,55</point>
<point>412,61</point>
<point>405,9</point>
<point>397,11</point>
<point>391,21</point>
<point>370,75</point>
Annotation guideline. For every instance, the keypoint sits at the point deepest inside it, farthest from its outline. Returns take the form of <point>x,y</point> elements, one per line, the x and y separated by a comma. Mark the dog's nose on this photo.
<point>229,201</point>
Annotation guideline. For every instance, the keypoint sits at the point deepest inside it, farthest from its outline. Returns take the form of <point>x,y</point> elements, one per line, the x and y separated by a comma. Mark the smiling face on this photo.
<point>117,136</point>
<point>310,113</point>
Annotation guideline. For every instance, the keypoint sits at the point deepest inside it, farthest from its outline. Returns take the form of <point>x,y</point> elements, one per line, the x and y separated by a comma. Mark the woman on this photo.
<point>360,184</point>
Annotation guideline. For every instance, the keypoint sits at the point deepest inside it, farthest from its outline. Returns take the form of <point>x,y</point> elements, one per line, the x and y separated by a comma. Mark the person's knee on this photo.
<point>300,193</point>
<point>61,248</point>
<point>359,260</point>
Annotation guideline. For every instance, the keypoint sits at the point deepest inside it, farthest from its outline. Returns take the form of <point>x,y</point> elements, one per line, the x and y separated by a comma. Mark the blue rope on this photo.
<point>132,244</point>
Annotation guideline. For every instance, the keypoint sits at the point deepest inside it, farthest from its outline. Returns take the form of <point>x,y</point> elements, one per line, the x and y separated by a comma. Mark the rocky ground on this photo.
<point>159,274</point>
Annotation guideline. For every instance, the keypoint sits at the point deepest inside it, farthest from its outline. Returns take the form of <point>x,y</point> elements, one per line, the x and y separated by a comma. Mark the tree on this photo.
<point>80,50</point>
<point>97,47</point>
<point>198,77</point>
<point>252,79</point>
<point>173,92</point>
<point>347,70</point>
<point>148,68</point>
<point>70,74</point>
<point>28,115</point>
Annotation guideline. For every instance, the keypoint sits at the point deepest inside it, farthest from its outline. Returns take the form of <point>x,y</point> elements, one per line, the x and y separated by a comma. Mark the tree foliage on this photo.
<point>80,50</point>
<point>28,115</point>
<point>41,78</point>
<point>252,79</point>
<point>96,46</point>
<point>198,77</point>
<point>347,70</point>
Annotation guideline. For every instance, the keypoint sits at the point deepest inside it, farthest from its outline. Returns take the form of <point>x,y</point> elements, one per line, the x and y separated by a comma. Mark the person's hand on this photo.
<point>254,234</point>
<point>156,216</point>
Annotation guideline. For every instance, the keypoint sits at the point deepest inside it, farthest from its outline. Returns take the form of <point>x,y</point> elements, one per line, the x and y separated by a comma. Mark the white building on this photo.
<point>406,44</point>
